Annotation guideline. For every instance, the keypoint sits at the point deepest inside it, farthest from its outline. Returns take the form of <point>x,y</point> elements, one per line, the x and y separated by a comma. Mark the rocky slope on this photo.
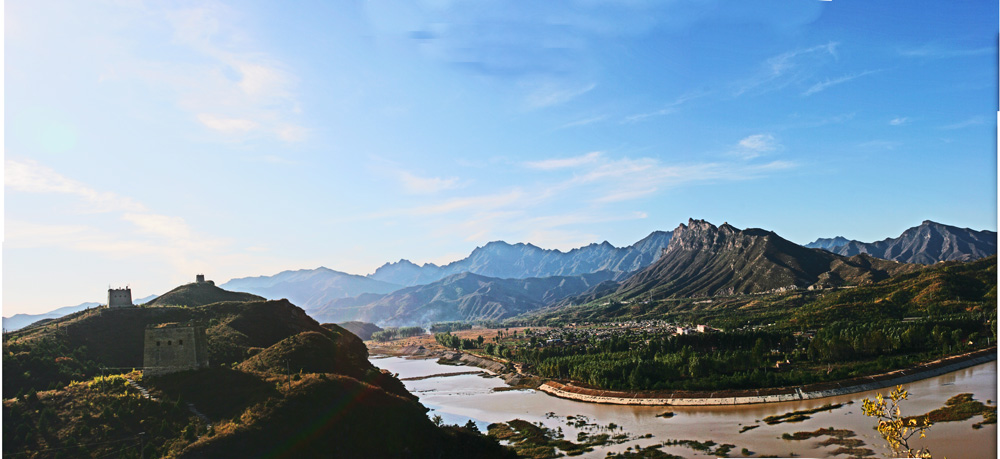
<point>461,297</point>
<point>828,244</point>
<point>705,260</point>
<point>925,244</point>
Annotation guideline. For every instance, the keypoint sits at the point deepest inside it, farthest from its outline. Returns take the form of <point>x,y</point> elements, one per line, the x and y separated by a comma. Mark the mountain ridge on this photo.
<point>525,260</point>
<point>309,288</point>
<point>928,243</point>
<point>705,260</point>
<point>459,297</point>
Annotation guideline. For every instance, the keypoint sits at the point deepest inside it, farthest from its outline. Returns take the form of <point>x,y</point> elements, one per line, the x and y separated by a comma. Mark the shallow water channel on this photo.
<point>460,398</point>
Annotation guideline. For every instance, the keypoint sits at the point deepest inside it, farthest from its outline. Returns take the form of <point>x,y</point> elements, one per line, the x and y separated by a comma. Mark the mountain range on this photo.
<point>309,288</point>
<point>704,260</point>
<point>926,244</point>
<point>460,297</point>
<point>521,261</point>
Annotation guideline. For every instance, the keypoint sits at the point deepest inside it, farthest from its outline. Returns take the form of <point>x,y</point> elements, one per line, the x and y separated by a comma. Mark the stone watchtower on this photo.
<point>173,347</point>
<point>120,298</point>
<point>200,279</point>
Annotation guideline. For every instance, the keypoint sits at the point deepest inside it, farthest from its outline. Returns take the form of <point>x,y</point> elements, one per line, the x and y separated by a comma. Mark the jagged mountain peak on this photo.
<point>928,243</point>
<point>704,260</point>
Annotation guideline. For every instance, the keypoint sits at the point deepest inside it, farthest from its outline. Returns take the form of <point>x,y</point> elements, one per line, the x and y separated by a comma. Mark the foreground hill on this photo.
<point>310,288</point>
<point>115,338</point>
<point>520,261</point>
<point>462,297</point>
<point>335,404</point>
<point>200,294</point>
<point>926,244</point>
<point>363,330</point>
<point>703,260</point>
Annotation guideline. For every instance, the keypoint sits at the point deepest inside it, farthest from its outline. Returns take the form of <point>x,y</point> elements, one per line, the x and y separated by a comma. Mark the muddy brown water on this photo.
<point>457,399</point>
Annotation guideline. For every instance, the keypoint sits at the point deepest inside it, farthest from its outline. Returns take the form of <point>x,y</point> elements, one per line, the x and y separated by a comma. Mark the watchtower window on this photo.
<point>169,342</point>
<point>157,343</point>
<point>180,342</point>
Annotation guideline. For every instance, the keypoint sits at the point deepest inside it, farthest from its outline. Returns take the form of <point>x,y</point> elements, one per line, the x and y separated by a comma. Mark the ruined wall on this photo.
<point>173,348</point>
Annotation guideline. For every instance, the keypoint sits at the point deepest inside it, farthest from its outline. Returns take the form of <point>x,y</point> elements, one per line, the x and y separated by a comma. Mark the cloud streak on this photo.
<point>784,69</point>
<point>564,163</point>
<point>426,185</point>
<point>823,85</point>
<point>169,238</point>
<point>219,75</point>
<point>31,177</point>
<point>666,110</point>
<point>934,51</point>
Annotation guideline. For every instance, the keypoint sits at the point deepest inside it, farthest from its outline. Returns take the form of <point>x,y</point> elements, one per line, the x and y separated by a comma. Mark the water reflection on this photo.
<point>458,399</point>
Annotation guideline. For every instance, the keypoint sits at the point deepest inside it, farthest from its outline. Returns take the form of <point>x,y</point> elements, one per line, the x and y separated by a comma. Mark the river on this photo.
<point>457,399</point>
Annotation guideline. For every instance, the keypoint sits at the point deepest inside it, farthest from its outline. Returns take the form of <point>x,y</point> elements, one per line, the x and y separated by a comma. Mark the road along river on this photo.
<point>458,398</point>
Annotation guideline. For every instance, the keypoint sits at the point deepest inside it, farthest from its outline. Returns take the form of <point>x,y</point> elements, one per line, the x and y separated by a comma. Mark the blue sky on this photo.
<point>146,142</point>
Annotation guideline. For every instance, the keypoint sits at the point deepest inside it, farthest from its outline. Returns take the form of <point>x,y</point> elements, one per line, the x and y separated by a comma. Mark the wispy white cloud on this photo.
<point>779,71</point>
<point>219,76</point>
<point>880,144</point>
<point>146,234</point>
<point>835,81</point>
<point>551,94</point>
<point>899,121</point>
<point>31,177</point>
<point>227,125</point>
<point>583,122</point>
<point>563,163</point>
<point>667,109</point>
<point>937,51</point>
<point>758,142</point>
<point>754,146</point>
<point>477,203</point>
<point>974,121</point>
<point>426,185</point>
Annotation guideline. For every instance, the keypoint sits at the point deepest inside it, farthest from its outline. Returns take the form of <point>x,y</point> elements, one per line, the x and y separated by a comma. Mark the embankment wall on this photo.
<point>781,394</point>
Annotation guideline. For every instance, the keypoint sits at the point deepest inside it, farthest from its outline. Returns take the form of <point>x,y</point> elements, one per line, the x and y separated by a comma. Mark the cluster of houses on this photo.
<point>573,334</point>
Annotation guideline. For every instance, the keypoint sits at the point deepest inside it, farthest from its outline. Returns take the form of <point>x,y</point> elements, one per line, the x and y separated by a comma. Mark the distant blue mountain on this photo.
<point>521,261</point>
<point>308,288</point>
<point>19,321</point>
<point>828,244</point>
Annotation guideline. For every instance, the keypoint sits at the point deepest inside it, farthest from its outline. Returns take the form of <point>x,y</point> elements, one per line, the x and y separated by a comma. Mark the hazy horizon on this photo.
<point>146,143</point>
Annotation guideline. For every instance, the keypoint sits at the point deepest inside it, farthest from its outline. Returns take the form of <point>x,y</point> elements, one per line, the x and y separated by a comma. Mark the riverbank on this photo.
<point>781,394</point>
<point>514,379</point>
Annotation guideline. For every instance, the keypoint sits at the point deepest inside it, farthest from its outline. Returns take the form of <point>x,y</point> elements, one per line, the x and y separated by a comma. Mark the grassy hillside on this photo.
<point>76,347</point>
<point>333,402</point>
<point>937,290</point>
<point>325,415</point>
<point>200,294</point>
<point>309,352</point>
